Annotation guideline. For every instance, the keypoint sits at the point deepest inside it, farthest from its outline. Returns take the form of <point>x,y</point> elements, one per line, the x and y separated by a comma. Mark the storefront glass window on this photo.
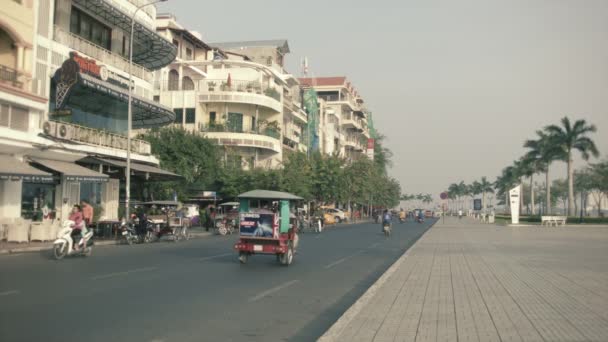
<point>91,192</point>
<point>34,198</point>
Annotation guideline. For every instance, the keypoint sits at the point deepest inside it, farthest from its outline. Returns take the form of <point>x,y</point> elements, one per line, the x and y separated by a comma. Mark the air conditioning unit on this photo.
<point>64,131</point>
<point>50,128</point>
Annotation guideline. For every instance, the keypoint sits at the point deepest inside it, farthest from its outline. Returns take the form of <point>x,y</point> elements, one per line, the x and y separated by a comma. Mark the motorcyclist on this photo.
<point>386,219</point>
<point>78,228</point>
<point>402,215</point>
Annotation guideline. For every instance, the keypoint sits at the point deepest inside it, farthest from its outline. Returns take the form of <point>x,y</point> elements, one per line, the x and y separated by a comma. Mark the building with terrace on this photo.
<point>69,143</point>
<point>344,127</point>
<point>226,92</point>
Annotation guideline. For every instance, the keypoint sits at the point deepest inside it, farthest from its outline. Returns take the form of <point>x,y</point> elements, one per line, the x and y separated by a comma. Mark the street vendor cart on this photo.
<point>266,225</point>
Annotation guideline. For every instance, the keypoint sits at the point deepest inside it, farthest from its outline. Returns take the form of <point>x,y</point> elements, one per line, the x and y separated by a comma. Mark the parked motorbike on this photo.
<point>67,238</point>
<point>128,232</point>
<point>225,226</point>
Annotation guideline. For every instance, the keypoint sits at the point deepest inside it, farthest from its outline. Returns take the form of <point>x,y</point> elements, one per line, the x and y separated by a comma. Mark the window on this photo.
<point>156,98</point>
<point>188,53</point>
<point>179,115</point>
<point>124,46</point>
<point>34,197</point>
<point>13,117</point>
<point>234,161</point>
<point>269,61</point>
<point>212,118</point>
<point>90,28</point>
<point>235,122</point>
<point>190,115</point>
<point>175,42</point>
<point>253,128</point>
<point>187,83</point>
<point>173,80</point>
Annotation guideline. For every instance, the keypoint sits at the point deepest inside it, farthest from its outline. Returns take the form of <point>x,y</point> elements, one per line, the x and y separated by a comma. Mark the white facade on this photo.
<point>92,34</point>
<point>252,110</point>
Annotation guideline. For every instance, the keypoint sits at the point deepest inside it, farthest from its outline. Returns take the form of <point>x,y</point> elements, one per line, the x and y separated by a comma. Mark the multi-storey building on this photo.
<point>236,94</point>
<point>343,128</point>
<point>77,140</point>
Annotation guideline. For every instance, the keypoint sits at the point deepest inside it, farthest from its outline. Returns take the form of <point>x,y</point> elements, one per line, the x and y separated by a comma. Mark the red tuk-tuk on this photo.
<point>266,225</point>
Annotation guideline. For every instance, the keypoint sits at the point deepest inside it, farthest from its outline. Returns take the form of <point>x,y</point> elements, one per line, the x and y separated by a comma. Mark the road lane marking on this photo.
<point>318,236</point>
<point>272,290</point>
<point>374,245</point>
<point>215,256</point>
<point>8,293</point>
<point>339,261</point>
<point>116,274</point>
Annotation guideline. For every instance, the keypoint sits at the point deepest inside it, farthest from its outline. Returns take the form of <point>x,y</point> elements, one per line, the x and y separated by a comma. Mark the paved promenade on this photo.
<point>466,281</point>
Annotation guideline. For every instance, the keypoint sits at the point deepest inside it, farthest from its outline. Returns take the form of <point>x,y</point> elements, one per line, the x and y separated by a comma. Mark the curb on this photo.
<point>98,243</point>
<point>338,327</point>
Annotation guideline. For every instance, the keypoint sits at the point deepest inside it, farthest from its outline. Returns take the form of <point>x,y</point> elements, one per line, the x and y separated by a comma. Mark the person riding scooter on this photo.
<point>79,227</point>
<point>402,216</point>
<point>386,220</point>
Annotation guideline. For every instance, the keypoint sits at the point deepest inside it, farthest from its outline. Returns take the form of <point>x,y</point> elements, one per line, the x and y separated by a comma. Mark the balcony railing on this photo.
<point>217,128</point>
<point>104,56</point>
<point>215,85</point>
<point>95,137</point>
<point>11,76</point>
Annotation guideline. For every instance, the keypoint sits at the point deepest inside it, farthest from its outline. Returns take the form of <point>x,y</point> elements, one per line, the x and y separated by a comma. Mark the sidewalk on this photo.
<point>467,281</point>
<point>36,246</point>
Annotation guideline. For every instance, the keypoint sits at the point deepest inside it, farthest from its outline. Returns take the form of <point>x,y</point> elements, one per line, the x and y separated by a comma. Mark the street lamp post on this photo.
<point>130,112</point>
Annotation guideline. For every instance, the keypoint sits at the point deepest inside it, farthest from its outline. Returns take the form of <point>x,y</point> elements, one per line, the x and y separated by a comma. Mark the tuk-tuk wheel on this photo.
<point>243,257</point>
<point>287,258</point>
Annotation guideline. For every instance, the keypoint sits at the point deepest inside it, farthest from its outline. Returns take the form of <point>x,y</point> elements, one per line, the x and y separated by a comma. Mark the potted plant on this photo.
<point>224,86</point>
<point>211,85</point>
<point>250,87</point>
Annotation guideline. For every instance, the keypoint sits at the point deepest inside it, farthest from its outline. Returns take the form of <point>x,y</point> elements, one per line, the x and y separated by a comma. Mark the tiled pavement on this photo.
<point>465,281</point>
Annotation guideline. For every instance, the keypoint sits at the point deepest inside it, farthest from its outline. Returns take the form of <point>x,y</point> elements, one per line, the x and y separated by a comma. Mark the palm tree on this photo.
<point>570,137</point>
<point>485,187</point>
<point>525,168</point>
<point>544,152</point>
<point>454,193</point>
<point>506,181</point>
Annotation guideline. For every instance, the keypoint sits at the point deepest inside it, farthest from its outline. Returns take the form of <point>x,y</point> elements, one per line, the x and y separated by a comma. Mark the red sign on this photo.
<point>444,195</point>
<point>87,66</point>
<point>370,144</point>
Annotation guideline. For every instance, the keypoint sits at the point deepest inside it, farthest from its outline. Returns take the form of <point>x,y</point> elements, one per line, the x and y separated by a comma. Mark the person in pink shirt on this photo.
<point>79,226</point>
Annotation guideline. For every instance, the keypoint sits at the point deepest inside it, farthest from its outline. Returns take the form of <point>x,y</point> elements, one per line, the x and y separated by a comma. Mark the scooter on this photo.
<point>64,245</point>
<point>128,232</point>
<point>386,228</point>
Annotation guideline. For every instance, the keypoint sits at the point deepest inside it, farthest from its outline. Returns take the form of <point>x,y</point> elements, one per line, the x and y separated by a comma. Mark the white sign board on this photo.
<point>514,200</point>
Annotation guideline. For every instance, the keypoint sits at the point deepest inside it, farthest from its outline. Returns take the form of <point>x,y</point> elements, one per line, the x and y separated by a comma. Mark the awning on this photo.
<point>146,113</point>
<point>71,171</point>
<point>147,171</point>
<point>151,49</point>
<point>13,169</point>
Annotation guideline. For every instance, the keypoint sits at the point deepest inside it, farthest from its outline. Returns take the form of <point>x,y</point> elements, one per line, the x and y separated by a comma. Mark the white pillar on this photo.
<point>10,198</point>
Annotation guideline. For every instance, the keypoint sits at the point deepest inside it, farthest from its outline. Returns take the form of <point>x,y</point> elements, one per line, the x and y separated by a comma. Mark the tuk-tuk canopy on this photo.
<point>267,194</point>
<point>230,204</point>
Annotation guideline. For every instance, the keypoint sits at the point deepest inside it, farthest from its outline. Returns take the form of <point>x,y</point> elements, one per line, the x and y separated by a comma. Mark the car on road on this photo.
<point>338,215</point>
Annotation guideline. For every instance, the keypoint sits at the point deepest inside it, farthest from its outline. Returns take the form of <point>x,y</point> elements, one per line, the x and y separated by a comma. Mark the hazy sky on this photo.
<point>455,85</point>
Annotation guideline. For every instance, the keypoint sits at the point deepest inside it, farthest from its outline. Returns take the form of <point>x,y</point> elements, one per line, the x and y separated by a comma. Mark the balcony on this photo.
<point>155,52</point>
<point>102,55</point>
<point>11,77</point>
<point>295,110</point>
<point>269,139</point>
<point>94,137</point>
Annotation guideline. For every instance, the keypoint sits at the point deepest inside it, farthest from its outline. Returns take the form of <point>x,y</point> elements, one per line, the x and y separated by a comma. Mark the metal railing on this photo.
<point>93,136</point>
<point>223,128</point>
<point>10,75</point>
<point>93,50</point>
<point>211,85</point>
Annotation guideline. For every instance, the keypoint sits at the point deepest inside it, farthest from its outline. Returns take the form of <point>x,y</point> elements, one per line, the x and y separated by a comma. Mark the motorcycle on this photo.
<point>129,233</point>
<point>386,228</point>
<point>64,245</point>
<point>401,219</point>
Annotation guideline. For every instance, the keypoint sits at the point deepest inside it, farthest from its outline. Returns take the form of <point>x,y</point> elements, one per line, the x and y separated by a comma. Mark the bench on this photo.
<point>553,220</point>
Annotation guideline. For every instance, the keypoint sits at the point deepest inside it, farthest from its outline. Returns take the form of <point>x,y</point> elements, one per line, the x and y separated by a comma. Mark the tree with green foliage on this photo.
<point>194,158</point>
<point>569,138</point>
<point>542,152</point>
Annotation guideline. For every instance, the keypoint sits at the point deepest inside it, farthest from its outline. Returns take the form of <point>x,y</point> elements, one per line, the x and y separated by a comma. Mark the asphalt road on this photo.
<point>195,290</point>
